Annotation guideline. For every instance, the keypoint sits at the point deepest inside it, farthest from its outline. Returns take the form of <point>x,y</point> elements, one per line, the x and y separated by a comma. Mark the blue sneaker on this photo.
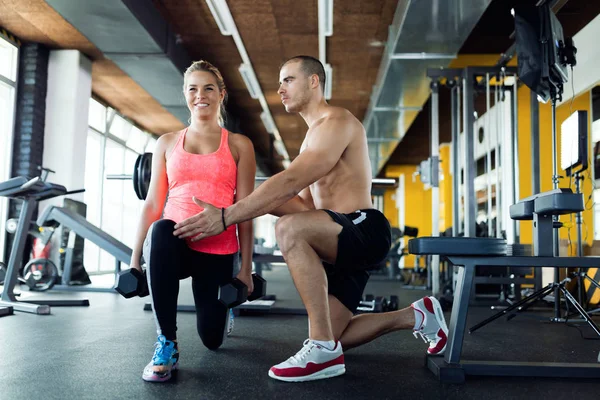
<point>165,360</point>
<point>230,322</point>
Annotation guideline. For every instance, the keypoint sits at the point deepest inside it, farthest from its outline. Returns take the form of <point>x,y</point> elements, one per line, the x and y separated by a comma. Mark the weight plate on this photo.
<point>136,178</point>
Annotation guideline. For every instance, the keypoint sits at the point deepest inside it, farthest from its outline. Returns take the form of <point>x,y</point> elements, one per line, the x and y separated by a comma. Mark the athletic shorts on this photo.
<point>363,243</point>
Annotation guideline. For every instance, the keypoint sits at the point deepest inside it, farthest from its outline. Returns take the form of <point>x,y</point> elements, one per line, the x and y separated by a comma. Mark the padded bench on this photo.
<point>467,254</point>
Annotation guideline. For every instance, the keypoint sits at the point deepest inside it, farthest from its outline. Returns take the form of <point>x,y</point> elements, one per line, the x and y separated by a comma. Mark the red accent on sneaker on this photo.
<point>310,368</point>
<point>440,344</point>
<point>428,304</point>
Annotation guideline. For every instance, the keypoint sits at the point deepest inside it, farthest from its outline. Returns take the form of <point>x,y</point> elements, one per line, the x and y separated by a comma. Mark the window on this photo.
<point>97,116</point>
<point>9,55</point>
<point>120,128</point>
<point>137,140</point>
<point>113,145</point>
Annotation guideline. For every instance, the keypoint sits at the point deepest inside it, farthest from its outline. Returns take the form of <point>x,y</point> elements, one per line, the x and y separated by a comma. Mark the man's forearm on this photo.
<point>271,194</point>
<point>295,205</point>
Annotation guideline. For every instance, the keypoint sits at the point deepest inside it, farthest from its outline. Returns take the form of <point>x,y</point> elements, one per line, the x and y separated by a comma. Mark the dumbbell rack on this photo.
<point>377,304</point>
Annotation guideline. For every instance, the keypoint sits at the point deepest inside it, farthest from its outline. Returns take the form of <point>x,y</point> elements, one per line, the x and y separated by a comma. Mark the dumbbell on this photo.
<point>380,304</point>
<point>236,292</point>
<point>393,303</point>
<point>132,282</point>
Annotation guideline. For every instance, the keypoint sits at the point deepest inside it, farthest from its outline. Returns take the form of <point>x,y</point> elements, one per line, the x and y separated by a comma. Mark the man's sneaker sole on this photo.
<point>329,372</point>
<point>156,378</point>
<point>439,316</point>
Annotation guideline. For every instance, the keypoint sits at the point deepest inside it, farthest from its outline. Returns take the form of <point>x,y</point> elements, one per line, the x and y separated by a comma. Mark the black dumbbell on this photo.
<point>236,292</point>
<point>380,304</point>
<point>393,303</point>
<point>132,282</point>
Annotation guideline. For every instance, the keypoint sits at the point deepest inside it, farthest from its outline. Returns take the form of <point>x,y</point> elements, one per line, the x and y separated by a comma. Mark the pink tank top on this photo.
<point>211,178</point>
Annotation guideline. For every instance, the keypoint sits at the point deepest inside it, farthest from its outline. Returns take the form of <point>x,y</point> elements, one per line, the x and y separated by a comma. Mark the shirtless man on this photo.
<point>329,233</point>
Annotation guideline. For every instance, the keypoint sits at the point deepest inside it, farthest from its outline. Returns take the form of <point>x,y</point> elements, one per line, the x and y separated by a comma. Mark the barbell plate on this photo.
<point>145,174</point>
<point>136,177</point>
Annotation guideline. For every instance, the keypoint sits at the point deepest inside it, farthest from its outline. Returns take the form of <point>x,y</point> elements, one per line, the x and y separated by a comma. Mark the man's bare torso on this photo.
<point>347,187</point>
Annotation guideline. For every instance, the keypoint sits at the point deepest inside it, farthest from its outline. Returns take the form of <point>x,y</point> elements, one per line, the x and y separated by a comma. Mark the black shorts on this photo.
<point>363,243</point>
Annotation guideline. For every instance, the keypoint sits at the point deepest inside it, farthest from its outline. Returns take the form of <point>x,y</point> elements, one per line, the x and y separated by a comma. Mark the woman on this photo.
<point>201,162</point>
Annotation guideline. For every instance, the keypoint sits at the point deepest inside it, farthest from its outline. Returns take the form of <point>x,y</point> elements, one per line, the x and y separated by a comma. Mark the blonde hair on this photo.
<point>203,65</point>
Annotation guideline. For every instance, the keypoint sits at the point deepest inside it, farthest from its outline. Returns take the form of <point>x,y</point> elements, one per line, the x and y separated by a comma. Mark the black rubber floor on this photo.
<point>99,352</point>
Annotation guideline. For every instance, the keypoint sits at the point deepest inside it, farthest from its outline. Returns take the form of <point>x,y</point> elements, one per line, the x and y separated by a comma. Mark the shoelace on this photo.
<point>425,338</point>
<point>308,345</point>
<point>162,352</point>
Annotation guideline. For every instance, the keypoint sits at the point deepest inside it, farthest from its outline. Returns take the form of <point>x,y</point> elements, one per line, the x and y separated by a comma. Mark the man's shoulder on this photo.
<point>344,119</point>
<point>340,113</point>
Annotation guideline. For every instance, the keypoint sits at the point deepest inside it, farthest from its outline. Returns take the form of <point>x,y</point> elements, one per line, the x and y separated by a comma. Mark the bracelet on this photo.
<point>223,218</point>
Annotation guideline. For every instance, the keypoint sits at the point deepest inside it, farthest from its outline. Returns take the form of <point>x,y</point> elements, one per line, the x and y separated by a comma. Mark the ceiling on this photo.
<point>272,31</point>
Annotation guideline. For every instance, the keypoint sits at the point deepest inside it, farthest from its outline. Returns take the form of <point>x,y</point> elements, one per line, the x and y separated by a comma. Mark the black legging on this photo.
<point>168,260</point>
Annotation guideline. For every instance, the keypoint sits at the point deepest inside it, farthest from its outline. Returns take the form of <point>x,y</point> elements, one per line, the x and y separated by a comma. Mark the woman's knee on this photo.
<point>160,244</point>
<point>159,236</point>
<point>163,228</point>
<point>212,340</point>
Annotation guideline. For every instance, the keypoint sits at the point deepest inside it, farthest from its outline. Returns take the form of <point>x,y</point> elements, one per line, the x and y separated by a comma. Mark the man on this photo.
<point>328,233</point>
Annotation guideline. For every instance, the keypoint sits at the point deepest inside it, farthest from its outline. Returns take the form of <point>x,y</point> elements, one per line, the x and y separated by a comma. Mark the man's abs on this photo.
<point>341,196</point>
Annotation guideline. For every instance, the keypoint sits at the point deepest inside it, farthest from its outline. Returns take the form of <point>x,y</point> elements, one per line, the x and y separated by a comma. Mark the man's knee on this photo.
<point>286,232</point>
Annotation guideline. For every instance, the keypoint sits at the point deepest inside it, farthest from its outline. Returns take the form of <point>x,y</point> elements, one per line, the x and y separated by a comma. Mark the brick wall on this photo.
<point>30,118</point>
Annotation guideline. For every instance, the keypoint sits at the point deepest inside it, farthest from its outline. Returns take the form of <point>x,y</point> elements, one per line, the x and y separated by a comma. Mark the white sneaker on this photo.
<point>433,327</point>
<point>312,362</point>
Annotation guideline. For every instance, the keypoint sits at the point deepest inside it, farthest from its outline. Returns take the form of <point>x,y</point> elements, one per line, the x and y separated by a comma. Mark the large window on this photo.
<point>9,56</point>
<point>113,144</point>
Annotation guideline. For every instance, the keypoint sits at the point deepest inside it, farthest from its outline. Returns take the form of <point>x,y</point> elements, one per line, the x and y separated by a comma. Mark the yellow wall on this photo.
<point>582,102</point>
<point>417,203</point>
<point>445,188</point>
<point>478,60</point>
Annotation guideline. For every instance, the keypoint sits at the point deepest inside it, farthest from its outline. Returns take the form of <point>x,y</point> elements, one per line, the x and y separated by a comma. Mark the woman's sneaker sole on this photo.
<point>158,378</point>
<point>329,372</point>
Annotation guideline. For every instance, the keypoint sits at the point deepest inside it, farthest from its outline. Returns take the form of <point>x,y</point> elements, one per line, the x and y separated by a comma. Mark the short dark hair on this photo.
<point>310,66</point>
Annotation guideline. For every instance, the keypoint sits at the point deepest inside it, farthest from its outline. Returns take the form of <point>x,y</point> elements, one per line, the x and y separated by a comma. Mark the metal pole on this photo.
<point>488,155</point>
<point>580,273</point>
<point>455,109</point>
<point>470,171</point>
<point>509,180</point>
<point>435,185</point>
<point>500,113</point>
<point>556,241</point>
<point>535,142</point>
<point>515,159</point>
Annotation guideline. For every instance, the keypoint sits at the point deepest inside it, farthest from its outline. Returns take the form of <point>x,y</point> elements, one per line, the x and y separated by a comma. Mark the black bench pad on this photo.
<point>453,246</point>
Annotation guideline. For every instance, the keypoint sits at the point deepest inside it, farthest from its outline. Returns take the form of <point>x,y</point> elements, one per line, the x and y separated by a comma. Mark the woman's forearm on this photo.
<point>246,245</point>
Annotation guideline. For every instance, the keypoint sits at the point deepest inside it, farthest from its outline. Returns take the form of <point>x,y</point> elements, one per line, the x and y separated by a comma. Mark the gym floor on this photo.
<point>100,351</point>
